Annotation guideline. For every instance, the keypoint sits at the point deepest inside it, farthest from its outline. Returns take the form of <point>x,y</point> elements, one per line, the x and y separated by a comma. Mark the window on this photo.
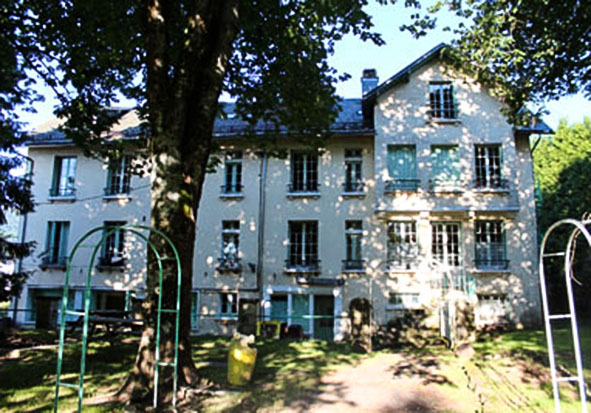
<point>118,177</point>
<point>402,168</point>
<point>233,177</point>
<point>445,245</point>
<point>403,249</point>
<point>64,177</point>
<point>441,101</point>
<point>490,245</point>
<point>353,240</point>
<point>303,246</point>
<point>491,309</point>
<point>108,300</point>
<point>229,259</point>
<point>304,172</point>
<point>353,165</point>
<point>56,244</point>
<point>114,245</point>
<point>445,167</point>
<point>228,304</point>
<point>403,300</point>
<point>488,166</point>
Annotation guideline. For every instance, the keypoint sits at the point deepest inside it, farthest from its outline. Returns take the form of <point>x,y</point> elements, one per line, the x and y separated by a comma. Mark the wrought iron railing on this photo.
<point>111,261</point>
<point>299,265</point>
<point>353,265</point>
<point>353,187</point>
<point>495,183</point>
<point>229,264</point>
<point>491,264</point>
<point>402,185</point>
<point>445,185</point>
<point>299,188</point>
<point>231,189</point>
<point>123,189</point>
<point>62,191</point>
<point>53,262</point>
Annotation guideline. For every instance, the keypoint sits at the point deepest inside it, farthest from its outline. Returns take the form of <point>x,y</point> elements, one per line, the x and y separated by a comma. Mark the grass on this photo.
<point>508,372</point>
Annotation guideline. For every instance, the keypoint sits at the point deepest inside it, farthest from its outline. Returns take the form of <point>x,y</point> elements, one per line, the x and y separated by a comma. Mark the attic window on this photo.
<point>441,101</point>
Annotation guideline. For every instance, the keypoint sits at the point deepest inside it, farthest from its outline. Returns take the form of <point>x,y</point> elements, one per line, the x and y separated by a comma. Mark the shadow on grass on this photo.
<point>287,373</point>
<point>27,383</point>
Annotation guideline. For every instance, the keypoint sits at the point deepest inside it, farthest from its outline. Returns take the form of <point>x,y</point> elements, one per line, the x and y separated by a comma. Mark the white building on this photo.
<point>424,188</point>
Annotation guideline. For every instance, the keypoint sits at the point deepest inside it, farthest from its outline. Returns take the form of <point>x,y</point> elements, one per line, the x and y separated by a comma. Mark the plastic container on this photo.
<point>241,360</point>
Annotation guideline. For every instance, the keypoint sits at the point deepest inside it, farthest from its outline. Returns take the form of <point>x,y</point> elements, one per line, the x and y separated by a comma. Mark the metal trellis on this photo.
<point>107,232</point>
<point>567,255</point>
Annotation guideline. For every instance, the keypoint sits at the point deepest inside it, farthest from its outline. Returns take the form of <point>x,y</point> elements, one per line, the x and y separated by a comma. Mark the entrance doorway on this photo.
<point>324,310</point>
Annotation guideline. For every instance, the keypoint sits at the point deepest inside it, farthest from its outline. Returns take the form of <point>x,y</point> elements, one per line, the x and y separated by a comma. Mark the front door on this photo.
<point>47,310</point>
<point>247,316</point>
<point>324,317</point>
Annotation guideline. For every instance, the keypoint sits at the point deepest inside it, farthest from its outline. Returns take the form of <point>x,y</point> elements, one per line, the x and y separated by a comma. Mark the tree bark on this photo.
<point>182,104</point>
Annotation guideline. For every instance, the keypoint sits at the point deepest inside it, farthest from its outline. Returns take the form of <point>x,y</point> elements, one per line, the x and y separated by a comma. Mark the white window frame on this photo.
<point>113,251</point>
<point>353,171</point>
<point>304,165</point>
<point>353,245</point>
<point>492,252</point>
<point>408,245</point>
<point>403,301</point>
<point>228,300</point>
<point>488,166</point>
<point>64,177</point>
<point>57,232</point>
<point>230,232</point>
<point>233,173</point>
<point>118,177</point>
<point>442,105</point>
<point>307,244</point>
<point>445,256</point>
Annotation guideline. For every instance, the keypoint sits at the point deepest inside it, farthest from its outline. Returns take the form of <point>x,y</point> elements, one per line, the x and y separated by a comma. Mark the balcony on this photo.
<point>65,193</point>
<point>491,184</point>
<point>491,264</point>
<point>117,191</point>
<point>299,266</point>
<point>353,266</point>
<point>115,262</point>
<point>445,186</point>
<point>54,263</point>
<point>353,189</point>
<point>402,185</point>
<point>303,190</point>
<point>229,264</point>
<point>231,191</point>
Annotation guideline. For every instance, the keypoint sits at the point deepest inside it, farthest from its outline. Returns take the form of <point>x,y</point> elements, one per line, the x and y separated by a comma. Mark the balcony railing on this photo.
<point>113,190</point>
<point>310,265</point>
<point>62,192</point>
<point>353,187</point>
<point>402,264</point>
<point>229,264</point>
<point>353,265</point>
<point>111,262</point>
<point>492,183</point>
<point>58,263</point>
<point>231,189</point>
<point>436,185</point>
<point>303,188</point>
<point>491,264</point>
<point>394,185</point>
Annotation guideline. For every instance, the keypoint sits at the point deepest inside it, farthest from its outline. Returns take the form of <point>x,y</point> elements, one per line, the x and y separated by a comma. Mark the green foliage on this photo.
<point>15,191</point>
<point>529,50</point>
<point>562,166</point>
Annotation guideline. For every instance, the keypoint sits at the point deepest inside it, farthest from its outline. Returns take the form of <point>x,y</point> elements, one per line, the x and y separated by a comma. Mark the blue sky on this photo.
<point>352,56</point>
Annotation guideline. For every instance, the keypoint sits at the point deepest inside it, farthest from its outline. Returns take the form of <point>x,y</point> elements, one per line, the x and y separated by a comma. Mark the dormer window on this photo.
<point>441,101</point>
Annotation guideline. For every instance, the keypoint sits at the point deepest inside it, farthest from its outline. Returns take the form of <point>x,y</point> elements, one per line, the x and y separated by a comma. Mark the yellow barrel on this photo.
<point>241,359</point>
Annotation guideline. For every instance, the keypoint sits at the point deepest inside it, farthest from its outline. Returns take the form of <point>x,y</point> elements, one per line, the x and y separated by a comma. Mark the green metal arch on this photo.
<point>107,232</point>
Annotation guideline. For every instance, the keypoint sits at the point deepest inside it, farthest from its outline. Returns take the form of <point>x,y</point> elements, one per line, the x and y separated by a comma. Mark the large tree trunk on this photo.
<point>182,107</point>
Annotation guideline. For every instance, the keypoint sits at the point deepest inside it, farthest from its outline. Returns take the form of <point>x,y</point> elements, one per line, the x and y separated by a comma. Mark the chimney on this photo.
<point>369,81</point>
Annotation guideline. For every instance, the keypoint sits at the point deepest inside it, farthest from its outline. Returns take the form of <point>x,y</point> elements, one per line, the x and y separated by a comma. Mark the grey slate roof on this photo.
<point>349,121</point>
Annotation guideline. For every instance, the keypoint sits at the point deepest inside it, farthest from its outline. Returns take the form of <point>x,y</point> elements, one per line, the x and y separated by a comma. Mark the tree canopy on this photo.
<point>527,51</point>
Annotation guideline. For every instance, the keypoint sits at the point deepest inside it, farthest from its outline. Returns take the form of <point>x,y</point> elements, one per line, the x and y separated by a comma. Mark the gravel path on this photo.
<point>383,383</point>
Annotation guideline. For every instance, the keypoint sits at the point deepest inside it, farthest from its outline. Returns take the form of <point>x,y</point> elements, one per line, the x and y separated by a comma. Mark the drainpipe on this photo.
<point>28,175</point>
<point>261,233</point>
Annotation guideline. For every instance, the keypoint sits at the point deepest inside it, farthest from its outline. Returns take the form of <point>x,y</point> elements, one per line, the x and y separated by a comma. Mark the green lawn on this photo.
<point>508,372</point>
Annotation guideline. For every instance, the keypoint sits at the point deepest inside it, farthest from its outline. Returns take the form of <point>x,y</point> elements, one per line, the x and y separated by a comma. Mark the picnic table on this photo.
<point>112,320</point>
